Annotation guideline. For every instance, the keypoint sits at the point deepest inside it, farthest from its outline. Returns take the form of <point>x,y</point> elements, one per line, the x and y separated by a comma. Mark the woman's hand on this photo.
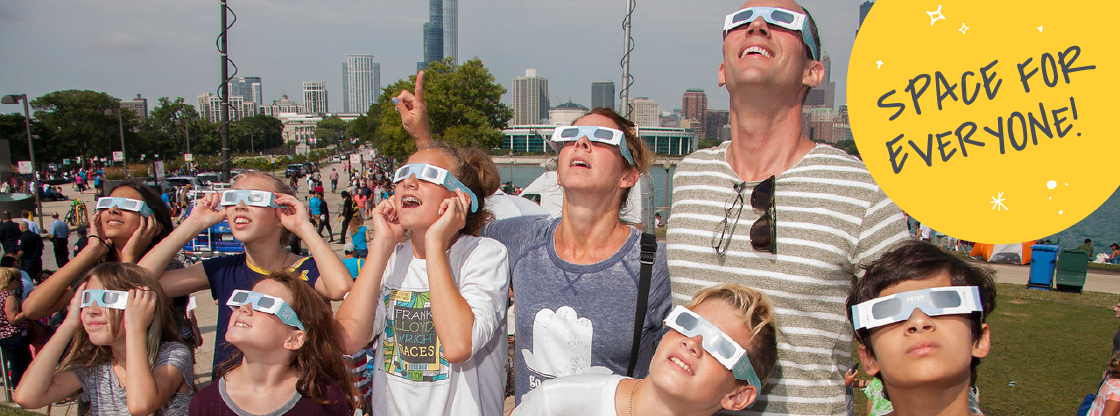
<point>97,245</point>
<point>414,113</point>
<point>140,240</point>
<point>139,311</point>
<point>452,218</point>
<point>387,229</point>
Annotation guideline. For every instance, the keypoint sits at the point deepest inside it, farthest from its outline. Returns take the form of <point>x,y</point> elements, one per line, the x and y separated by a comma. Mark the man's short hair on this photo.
<point>7,215</point>
<point>919,260</point>
<point>54,215</point>
<point>1087,241</point>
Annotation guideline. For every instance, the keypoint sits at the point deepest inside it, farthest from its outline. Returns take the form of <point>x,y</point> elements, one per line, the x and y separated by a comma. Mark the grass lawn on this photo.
<point>8,411</point>
<point>1053,345</point>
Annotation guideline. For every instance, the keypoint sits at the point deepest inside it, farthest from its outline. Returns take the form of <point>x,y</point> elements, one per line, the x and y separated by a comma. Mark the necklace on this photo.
<point>632,390</point>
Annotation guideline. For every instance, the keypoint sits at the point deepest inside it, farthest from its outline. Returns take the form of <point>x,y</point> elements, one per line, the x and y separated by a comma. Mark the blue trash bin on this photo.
<point>1043,259</point>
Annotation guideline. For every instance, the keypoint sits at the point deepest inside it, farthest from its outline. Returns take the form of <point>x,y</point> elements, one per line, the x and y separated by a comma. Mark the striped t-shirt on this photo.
<point>831,218</point>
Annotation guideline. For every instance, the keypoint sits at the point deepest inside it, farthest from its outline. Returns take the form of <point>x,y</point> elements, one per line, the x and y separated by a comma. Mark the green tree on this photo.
<point>13,128</point>
<point>464,108</point>
<point>264,130</point>
<point>365,127</point>
<point>165,136</point>
<point>848,146</point>
<point>74,122</point>
<point>330,130</point>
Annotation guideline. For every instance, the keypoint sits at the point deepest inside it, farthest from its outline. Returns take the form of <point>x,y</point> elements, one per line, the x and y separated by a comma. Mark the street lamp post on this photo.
<point>12,99</point>
<point>120,125</point>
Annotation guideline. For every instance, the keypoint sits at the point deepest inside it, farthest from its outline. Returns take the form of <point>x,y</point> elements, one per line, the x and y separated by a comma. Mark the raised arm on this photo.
<point>53,293</point>
<point>148,388</point>
<point>334,278</point>
<point>414,113</point>
<point>41,385</point>
<point>356,314</point>
<point>205,214</point>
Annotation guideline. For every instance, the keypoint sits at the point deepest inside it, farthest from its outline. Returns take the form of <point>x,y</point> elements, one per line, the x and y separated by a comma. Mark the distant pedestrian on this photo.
<point>334,180</point>
<point>13,326</point>
<point>325,218</point>
<point>29,217</point>
<point>1087,247</point>
<point>60,238</point>
<point>83,239</point>
<point>9,234</point>
<point>349,209</point>
<point>30,251</point>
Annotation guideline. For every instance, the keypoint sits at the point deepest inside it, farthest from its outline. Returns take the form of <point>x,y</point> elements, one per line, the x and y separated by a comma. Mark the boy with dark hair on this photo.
<point>918,314</point>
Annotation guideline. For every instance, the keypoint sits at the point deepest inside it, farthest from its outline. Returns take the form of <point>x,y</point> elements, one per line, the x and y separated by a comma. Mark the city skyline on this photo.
<point>167,49</point>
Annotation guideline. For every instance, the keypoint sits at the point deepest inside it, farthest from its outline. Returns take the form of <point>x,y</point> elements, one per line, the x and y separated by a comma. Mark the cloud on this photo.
<point>118,42</point>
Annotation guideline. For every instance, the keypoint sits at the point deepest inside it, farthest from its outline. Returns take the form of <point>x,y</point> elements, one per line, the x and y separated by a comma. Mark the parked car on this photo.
<point>336,159</point>
<point>294,170</point>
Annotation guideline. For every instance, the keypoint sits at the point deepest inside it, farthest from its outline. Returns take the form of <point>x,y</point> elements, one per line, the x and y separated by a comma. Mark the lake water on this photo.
<point>1102,226</point>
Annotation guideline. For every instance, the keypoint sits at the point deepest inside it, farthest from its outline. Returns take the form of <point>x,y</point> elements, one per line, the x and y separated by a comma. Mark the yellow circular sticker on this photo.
<point>989,120</point>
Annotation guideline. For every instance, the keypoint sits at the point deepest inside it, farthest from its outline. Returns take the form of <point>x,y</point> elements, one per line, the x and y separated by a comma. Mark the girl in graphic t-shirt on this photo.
<point>438,300</point>
<point>288,360</point>
<point>124,340</point>
<point>261,211</point>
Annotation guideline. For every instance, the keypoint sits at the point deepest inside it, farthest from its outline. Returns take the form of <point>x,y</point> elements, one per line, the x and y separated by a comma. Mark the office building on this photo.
<point>283,105</point>
<point>602,94</point>
<point>315,97</point>
<point>361,83</point>
<point>566,114</point>
<point>451,30</point>
<point>433,35</point>
<point>210,107</point>
<point>248,88</point>
<point>530,99</point>
<point>647,113</point>
<point>715,122</point>
<point>139,106</point>
<point>694,106</point>
<point>864,9</point>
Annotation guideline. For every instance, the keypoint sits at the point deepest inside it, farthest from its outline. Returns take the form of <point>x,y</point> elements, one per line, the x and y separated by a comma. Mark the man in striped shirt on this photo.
<point>774,211</point>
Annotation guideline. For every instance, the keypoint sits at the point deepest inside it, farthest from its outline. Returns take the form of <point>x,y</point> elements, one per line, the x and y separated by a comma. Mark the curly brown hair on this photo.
<point>319,362</point>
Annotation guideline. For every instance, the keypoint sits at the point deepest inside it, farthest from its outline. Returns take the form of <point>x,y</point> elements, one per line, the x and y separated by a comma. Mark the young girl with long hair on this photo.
<point>288,359</point>
<point>123,340</point>
<point>261,211</point>
<point>438,301</point>
<point>128,223</point>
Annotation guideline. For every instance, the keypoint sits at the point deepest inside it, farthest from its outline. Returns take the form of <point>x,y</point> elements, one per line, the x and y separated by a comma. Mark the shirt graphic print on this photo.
<point>412,350</point>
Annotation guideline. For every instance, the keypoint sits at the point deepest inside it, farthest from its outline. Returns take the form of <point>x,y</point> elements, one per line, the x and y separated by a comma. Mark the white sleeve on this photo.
<point>484,284</point>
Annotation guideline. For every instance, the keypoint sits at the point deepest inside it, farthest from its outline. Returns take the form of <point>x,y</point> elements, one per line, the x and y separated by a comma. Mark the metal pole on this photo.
<point>628,47</point>
<point>124,155</point>
<point>34,171</point>
<point>224,90</point>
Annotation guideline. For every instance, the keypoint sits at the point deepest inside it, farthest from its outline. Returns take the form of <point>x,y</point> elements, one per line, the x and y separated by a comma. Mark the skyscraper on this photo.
<point>433,34</point>
<point>315,97</point>
<point>248,88</point>
<point>647,113</point>
<point>451,30</point>
<point>361,83</point>
<point>694,104</point>
<point>602,94</point>
<point>864,9</point>
<point>530,99</point>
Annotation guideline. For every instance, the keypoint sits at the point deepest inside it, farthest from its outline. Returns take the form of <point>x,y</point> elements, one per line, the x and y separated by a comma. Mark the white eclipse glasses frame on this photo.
<point>937,301</point>
<point>127,204</point>
<point>718,344</point>
<point>780,17</point>
<point>250,197</point>
<point>261,302</point>
<point>436,175</point>
<point>606,135</point>
<point>113,299</point>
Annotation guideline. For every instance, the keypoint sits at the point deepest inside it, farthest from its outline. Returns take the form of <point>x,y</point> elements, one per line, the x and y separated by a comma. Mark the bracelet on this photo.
<point>99,239</point>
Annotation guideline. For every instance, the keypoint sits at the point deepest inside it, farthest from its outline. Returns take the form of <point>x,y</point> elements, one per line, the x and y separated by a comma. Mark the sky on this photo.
<point>162,48</point>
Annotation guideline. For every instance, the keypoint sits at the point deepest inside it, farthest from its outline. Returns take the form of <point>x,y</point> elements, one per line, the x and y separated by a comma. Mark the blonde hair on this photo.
<point>124,276</point>
<point>757,312</point>
<point>6,276</point>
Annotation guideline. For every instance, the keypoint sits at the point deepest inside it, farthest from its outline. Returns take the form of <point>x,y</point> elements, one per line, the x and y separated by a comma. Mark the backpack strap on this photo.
<point>649,253</point>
